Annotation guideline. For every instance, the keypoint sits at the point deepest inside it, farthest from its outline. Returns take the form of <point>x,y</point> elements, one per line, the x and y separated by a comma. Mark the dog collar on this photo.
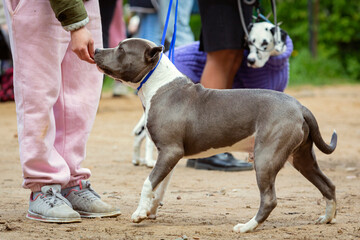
<point>172,43</point>
<point>149,73</point>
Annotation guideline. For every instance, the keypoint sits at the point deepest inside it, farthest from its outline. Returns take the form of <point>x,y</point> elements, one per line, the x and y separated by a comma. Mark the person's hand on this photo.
<point>82,44</point>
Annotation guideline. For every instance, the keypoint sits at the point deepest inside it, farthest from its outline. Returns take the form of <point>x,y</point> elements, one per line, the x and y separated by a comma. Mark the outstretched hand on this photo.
<point>82,44</point>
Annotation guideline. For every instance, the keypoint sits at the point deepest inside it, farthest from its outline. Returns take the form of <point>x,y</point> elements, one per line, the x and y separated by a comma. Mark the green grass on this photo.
<point>107,84</point>
<point>195,24</point>
<point>305,70</point>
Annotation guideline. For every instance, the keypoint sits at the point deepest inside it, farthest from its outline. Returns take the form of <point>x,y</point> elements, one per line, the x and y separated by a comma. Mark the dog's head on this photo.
<point>130,61</point>
<point>264,42</point>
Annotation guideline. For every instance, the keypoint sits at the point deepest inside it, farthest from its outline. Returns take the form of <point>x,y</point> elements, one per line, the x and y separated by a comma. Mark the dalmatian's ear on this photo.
<point>280,41</point>
<point>283,34</point>
<point>250,27</point>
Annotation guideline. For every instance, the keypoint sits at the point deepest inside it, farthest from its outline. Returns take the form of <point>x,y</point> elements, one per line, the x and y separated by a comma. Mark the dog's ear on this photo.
<point>151,54</point>
<point>272,30</point>
<point>283,35</point>
<point>250,27</point>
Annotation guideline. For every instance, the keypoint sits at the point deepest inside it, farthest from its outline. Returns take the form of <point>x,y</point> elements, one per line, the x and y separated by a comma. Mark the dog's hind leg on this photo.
<point>267,165</point>
<point>271,151</point>
<point>139,135</point>
<point>149,149</point>
<point>304,161</point>
<point>136,160</point>
<point>167,159</point>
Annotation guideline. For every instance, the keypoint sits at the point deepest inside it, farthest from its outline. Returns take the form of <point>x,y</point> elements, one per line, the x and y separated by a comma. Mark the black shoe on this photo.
<point>220,162</point>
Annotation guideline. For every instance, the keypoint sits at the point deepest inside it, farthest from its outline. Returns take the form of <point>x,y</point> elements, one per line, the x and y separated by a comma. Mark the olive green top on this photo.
<point>69,11</point>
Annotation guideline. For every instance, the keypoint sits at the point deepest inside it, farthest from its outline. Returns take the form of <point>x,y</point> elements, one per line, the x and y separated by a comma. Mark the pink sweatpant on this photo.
<point>56,93</point>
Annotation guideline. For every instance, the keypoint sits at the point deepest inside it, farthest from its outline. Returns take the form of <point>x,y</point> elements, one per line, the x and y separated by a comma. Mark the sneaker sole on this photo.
<point>210,167</point>
<point>37,217</point>
<point>98,215</point>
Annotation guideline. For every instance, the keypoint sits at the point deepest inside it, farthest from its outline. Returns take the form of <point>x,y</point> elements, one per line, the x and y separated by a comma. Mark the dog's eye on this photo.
<point>253,40</point>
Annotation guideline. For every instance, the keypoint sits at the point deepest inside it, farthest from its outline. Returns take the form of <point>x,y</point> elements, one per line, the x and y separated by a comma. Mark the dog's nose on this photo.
<point>264,43</point>
<point>251,61</point>
<point>97,51</point>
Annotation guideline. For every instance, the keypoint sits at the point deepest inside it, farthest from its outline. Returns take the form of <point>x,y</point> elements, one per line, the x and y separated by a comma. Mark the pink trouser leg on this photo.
<point>56,94</point>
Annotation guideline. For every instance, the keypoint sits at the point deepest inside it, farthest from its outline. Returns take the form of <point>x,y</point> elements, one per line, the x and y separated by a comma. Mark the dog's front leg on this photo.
<point>167,159</point>
<point>159,195</point>
<point>146,198</point>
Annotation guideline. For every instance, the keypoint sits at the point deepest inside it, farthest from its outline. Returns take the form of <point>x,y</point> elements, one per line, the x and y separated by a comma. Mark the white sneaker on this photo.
<point>87,202</point>
<point>50,206</point>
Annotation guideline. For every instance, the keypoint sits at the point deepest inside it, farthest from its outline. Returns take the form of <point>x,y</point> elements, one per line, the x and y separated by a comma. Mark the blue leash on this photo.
<point>172,44</point>
<point>264,18</point>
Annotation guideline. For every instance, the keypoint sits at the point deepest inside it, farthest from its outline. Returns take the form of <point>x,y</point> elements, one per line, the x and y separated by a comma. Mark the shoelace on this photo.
<point>88,193</point>
<point>52,197</point>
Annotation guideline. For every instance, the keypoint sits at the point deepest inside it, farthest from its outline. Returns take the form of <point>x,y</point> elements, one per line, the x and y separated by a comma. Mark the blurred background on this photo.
<point>325,34</point>
<point>326,38</point>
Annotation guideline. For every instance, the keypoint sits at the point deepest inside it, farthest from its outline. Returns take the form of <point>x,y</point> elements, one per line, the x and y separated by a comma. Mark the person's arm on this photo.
<point>73,17</point>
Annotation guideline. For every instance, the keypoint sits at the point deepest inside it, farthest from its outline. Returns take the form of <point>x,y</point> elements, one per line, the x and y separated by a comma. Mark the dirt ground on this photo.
<point>199,204</point>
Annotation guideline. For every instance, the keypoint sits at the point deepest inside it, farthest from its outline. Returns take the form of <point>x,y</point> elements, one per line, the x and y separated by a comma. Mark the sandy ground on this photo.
<point>199,204</point>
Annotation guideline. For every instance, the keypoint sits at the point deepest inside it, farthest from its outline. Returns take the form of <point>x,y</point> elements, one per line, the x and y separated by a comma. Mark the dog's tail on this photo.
<point>315,133</point>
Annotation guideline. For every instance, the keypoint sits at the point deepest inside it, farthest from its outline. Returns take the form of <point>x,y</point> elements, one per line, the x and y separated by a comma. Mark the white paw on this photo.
<point>324,220</point>
<point>242,228</point>
<point>238,227</point>
<point>136,162</point>
<point>152,216</point>
<point>151,163</point>
<point>247,227</point>
<point>330,213</point>
<point>139,215</point>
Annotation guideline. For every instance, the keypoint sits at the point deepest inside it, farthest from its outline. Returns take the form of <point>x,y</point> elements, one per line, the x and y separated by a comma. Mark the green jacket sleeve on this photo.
<point>69,12</point>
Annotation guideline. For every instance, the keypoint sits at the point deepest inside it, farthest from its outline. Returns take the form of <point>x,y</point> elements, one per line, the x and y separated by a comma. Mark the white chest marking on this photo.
<point>165,73</point>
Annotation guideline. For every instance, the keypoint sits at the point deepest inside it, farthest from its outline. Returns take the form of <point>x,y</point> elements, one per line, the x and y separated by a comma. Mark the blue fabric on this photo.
<point>184,35</point>
<point>274,75</point>
<point>150,27</point>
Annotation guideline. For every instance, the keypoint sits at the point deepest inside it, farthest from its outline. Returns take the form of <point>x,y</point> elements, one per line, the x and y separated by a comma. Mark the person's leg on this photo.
<point>77,104</point>
<point>150,27</point>
<point>117,30</point>
<point>37,50</point>
<point>220,68</point>
<point>107,9</point>
<point>184,35</point>
<point>75,113</point>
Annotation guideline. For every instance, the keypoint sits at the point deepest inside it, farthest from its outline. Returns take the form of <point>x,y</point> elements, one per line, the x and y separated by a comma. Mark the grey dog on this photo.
<point>186,119</point>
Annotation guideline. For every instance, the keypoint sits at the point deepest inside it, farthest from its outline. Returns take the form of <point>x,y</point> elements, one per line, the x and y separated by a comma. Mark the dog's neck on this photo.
<point>164,73</point>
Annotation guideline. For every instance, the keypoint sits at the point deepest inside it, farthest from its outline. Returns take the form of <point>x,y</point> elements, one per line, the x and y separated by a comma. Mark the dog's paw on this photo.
<point>242,228</point>
<point>136,162</point>
<point>324,220</point>
<point>247,227</point>
<point>151,163</point>
<point>139,215</point>
<point>139,162</point>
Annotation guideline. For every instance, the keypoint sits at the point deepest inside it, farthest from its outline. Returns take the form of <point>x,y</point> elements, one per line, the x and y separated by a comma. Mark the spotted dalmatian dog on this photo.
<point>264,41</point>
